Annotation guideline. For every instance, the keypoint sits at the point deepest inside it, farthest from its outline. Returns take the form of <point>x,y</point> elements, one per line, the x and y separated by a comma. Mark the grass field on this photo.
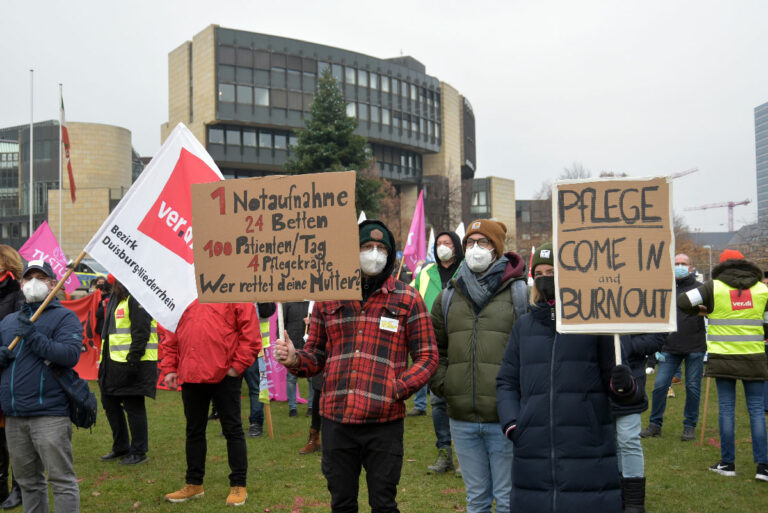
<point>280,480</point>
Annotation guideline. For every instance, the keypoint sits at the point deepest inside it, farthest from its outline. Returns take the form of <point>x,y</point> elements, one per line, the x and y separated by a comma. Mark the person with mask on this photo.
<point>472,330</point>
<point>11,300</point>
<point>433,278</point>
<point>127,373</point>
<point>362,348</point>
<point>37,423</point>
<point>688,344</point>
<point>553,404</point>
<point>735,302</point>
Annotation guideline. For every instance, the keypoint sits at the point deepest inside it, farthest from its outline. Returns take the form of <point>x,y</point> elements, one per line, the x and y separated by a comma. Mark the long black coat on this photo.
<point>554,387</point>
<point>123,378</point>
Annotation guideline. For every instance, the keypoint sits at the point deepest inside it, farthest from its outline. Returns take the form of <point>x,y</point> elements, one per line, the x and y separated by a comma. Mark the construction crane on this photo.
<point>729,204</point>
<point>683,173</point>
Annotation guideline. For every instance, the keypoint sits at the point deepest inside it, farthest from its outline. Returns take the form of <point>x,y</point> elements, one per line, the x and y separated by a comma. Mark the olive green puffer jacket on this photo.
<point>471,348</point>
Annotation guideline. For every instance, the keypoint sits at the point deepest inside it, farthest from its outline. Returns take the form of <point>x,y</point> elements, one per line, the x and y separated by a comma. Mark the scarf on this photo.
<point>480,288</point>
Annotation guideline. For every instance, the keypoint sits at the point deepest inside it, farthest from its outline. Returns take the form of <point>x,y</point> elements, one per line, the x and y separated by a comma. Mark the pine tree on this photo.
<point>329,144</point>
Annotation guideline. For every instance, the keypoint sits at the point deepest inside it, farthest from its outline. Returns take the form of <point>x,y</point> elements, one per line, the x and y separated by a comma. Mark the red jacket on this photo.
<point>210,338</point>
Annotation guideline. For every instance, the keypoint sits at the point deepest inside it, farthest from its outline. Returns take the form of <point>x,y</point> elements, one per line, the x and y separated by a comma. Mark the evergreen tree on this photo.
<point>329,144</point>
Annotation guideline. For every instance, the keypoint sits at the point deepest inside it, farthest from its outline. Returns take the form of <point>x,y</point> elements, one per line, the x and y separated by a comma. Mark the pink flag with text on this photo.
<point>416,246</point>
<point>43,245</point>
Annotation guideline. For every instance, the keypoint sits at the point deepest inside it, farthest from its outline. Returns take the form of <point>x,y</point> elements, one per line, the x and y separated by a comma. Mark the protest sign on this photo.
<point>277,238</point>
<point>614,255</point>
<point>146,242</point>
<point>42,245</point>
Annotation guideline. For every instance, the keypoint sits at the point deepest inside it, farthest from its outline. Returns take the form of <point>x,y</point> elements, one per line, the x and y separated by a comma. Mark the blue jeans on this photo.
<point>420,399</point>
<point>251,376</point>
<point>765,396</point>
<point>694,364</point>
<point>290,391</point>
<point>629,450</point>
<point>440,421</point>
<point>485,457</point>
<point>726,400</point>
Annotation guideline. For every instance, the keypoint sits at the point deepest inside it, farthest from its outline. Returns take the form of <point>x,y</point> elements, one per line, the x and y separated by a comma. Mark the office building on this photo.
<point>761,154</point>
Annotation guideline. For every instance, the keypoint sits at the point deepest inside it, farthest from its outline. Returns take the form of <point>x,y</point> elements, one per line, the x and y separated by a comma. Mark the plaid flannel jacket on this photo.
<point>362,350</point>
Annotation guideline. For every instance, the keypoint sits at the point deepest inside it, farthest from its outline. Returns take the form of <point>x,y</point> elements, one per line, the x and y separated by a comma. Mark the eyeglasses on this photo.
<point>483,243</point>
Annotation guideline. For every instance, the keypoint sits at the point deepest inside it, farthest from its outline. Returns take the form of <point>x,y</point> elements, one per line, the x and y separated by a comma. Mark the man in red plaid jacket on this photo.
<point>362,349</point>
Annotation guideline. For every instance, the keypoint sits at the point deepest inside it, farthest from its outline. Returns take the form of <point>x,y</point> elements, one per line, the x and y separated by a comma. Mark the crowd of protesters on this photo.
<point>538,421</point>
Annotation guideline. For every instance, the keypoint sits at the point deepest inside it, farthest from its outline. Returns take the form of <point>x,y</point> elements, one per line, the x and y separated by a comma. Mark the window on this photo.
<point>385,117</point>
<point>374,81</point>
<point>525,216</point>
<point>362,111</point>
<point>281,142</point>
<point>244,95</point>
<point>479,199</point>
<point>351,110</point>
<point>336,71</point>
<point>293,140</point>
<point>395,86</point>
<point>227,93</point>
<point>413,92</point>
<point>385,84</point>
<point>362,78</point>
<point>421,125</point>
<point>226,73</point>
<point>261,96</point>
<point>414,125</point>
<point>374,114</point>
<point>233,137</point>
<point>349,75</point>
<point>404,90</point>
<point>396,120</point>
<point>249,138</point>
<point>215,136</point>
<point>437,130</point>
<point>265,139</point>
<point>322,66</point>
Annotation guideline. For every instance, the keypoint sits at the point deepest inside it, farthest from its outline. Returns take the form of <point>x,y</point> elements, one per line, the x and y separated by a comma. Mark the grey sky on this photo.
<point>647,88</point>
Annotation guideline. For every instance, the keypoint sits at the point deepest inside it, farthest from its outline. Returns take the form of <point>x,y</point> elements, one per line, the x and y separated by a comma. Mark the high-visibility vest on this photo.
<point>120,336</point>
<point>736,323</point>
<point>428,283</point>
<point>264,326</point>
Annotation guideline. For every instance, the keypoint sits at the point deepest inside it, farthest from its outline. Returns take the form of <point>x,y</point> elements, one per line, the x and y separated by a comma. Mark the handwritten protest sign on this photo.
<point>614,255</point>
<point>279,238</point>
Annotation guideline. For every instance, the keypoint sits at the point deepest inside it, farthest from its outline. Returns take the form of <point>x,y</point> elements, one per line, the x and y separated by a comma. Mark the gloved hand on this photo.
<point>6,356</point>
<point>25,328</point>
<point>622,381</point>
<point>133,359</point>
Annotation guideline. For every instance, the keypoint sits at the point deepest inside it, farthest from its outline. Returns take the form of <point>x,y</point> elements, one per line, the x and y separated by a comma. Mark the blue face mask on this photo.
<point>681,271</point>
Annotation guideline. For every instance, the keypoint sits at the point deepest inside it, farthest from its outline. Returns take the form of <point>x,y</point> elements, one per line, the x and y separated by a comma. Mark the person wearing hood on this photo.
<point>37,424</point>
<point>735,302</point>
<point>362,348</point>
<point>11,300</point>
<point>471,339</point>
<point>688,344</point>
<point>554,403</point>
<point>433,278</point>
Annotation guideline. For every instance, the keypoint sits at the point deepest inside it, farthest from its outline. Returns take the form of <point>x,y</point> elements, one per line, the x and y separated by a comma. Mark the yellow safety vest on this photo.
<point>120,336</point>
<point>264,325</point>
<point>736,322</point>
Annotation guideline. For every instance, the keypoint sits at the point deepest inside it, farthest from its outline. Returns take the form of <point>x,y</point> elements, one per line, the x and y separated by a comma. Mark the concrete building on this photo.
<point>494,198</point>
<point>761,151</point>
<point>103,163</point>
<point>244,94</point>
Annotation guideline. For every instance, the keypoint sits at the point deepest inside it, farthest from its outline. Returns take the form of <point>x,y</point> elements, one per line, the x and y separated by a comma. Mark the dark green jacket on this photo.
<point>471,347</point>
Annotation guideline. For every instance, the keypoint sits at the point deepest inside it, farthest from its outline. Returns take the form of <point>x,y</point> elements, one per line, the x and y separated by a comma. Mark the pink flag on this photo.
<point>416,246</point>
<point>43,244</point>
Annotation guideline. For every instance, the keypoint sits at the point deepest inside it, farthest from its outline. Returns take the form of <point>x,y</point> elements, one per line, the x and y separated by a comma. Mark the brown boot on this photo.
<point>313,442</point>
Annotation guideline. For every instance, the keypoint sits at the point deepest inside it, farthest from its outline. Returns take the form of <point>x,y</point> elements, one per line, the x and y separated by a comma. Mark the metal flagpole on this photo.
<point>31,146</point>
<point>61,185</point>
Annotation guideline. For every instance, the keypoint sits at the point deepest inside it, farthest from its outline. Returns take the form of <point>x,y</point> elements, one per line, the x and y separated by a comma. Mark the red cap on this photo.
<point>111,279</point>
<point>731,254</point>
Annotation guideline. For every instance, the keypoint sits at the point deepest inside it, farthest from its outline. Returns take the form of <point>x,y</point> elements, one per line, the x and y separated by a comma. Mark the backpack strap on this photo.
<point>518,289</point>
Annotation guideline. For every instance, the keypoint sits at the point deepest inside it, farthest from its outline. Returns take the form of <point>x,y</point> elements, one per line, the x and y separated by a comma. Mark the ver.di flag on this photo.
<point>146,242</point>
<point>416,246</point>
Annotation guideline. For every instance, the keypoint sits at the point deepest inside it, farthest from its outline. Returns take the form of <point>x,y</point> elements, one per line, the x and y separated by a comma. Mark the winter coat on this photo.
<point>740,274</point>
<point>27,387</point>
<point>471,346</point>
<point>209,339</point>
<point>691,334</point>
<point>125,378</point>
<point>634,350</point>
<point>555,389</point>
<point>11,297</point>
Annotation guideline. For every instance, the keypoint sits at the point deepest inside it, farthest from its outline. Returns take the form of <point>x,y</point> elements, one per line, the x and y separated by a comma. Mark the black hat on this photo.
<point>41,265</point>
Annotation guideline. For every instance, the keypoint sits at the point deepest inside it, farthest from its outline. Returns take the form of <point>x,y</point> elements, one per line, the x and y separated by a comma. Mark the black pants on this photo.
<point>315,423</point>
<point>349,447</point>
<point>116,407</point>
<point>197,399</point>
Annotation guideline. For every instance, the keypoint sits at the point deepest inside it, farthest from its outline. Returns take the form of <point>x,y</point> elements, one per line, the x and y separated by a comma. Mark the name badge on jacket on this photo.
<point>389,324</point>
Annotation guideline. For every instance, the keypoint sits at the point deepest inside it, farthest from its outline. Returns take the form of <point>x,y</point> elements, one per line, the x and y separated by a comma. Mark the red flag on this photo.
<point>85,308</point>
<point>65,140</point>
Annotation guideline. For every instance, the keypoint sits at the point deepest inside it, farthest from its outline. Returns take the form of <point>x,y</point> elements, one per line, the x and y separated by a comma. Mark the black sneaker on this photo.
<point>293,413</point>
<point>762,472</point>
<point>725,469</point>
<point>134,459</point>
<point>255,430</point>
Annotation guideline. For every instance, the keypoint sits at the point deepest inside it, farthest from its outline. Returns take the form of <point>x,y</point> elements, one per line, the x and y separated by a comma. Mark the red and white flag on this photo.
<point>65,142</point>
<point>146,242</point>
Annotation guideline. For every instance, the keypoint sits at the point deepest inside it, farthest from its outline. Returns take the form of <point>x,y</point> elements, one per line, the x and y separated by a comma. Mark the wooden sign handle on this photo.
<point>617,348</point>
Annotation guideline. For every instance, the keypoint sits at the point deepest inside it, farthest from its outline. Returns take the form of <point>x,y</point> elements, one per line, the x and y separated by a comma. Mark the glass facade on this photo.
<point>761,156</point>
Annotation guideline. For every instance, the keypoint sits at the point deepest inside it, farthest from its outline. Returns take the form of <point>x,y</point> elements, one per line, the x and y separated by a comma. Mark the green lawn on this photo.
<point>279,479</point>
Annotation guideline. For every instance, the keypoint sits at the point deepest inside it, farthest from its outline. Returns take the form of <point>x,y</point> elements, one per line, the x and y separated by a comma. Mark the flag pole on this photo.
<point>31,146</point>
<point>61,185</point>
<point>51,295</point>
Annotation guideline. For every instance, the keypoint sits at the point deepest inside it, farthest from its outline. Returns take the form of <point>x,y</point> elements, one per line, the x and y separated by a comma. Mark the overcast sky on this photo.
<point>646,88</point>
